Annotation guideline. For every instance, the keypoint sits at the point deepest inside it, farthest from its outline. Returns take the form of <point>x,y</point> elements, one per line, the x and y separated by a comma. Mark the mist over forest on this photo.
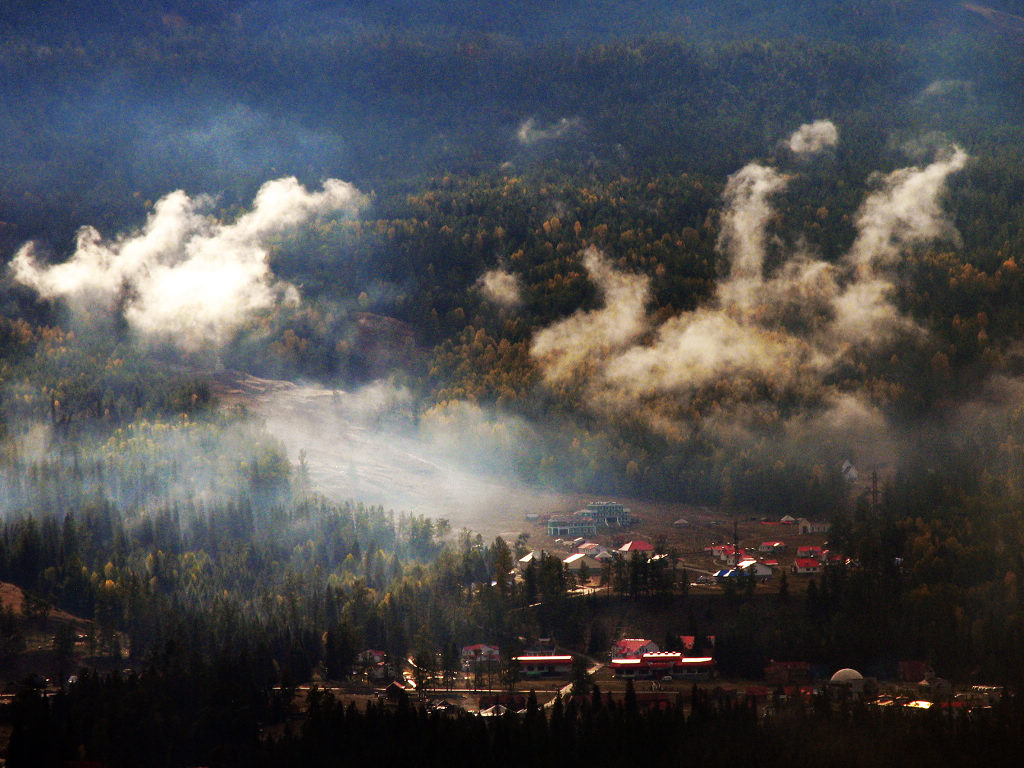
<point>303,302</point>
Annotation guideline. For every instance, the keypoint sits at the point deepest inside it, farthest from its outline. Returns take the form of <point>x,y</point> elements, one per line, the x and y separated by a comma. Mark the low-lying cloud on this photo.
<point>456,461</point>
<point>500,287</point>
<point>531,132</point>
<point>813,137</point>
<point>569,345</point>
<point>186,277</point>
<point>768,333</point>
<point>948,88</point>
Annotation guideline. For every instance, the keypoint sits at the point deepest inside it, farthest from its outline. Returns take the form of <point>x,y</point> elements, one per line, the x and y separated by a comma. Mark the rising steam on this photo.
<point>186,277</point>
<point>782,331</point>
<point>743,230</point>
<point>567,346</point>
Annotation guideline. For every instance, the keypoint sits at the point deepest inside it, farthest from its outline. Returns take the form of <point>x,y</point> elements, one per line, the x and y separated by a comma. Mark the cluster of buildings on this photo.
<point>914,686</point>
<point>741,563</point>
<point>762,562</point>
<point>590,555</point>
<point>585,522</point>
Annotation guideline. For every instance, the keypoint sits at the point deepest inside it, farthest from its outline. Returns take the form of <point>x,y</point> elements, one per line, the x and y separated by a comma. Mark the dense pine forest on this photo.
<point>682,253</point>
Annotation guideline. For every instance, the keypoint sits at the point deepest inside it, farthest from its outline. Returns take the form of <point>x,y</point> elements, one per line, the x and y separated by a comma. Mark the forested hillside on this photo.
<point>691,252</point>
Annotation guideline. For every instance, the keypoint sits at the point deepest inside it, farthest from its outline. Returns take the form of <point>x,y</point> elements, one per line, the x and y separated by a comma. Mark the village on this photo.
<point>590,544</point>
<point>636,669</point>
<point>706,548</point>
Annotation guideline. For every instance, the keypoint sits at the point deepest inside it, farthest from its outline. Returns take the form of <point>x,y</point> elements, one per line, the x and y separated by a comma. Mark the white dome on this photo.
<point>846,676</point>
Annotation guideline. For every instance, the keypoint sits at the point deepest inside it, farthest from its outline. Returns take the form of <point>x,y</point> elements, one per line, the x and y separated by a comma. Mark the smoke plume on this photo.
<point>186,277</point>
<point>767,335</point>
<point>948,88</point>
<point>601,334</point>
<point>743,230</point>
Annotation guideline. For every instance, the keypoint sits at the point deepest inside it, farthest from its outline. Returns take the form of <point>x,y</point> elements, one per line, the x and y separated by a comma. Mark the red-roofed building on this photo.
<point>664,664</point>
<point>633,647</point>
<point>804,552</point>
<point>736,557</point>
<point>715,550</point>
<point>771,547</point>
<point>638,545</point>
<point>806,565</point>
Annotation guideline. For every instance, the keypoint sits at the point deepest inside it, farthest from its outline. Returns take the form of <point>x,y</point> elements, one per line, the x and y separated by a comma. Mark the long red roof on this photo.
<point>639,545</point>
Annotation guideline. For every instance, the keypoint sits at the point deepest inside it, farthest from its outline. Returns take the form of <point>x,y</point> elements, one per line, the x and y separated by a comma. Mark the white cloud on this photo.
<point>810,138</point>
<point>587,337</point>
<point>185,277</point>
<point>500,287</point>
<point>530,132</point>
<point>782,332</point>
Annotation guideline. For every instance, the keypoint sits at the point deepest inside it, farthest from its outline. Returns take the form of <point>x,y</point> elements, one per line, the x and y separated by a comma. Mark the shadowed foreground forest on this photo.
<point>686,733</point>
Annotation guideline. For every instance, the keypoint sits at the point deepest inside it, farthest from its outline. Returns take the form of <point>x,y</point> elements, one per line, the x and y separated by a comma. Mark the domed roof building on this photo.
<point>849,679</point>
<point>846,676</point>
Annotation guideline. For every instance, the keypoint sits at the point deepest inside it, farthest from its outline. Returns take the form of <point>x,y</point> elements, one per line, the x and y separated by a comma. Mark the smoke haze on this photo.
<point>457,463</point>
